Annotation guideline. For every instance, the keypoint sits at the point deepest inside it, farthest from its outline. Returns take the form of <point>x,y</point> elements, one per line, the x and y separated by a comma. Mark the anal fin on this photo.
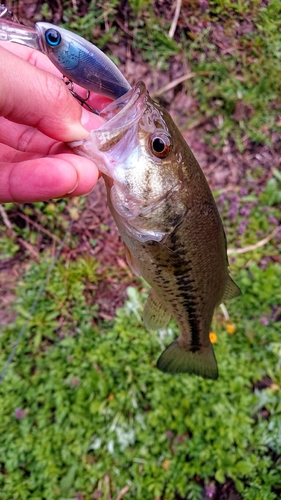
<point>155,315</point>
<point>178,358</point>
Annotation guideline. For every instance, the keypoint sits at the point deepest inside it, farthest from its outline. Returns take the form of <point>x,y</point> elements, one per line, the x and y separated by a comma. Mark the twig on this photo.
<point>40,228</point>
<point>125,29</point>
<point>108,11</point>
<point>224,311</point>
<point>29,248</point>
<point>123,492</point>
<point>251,248</point>
<point>175,20</point>
<point>177,81</point>
<point>172,84</point>
<point>5,218</point>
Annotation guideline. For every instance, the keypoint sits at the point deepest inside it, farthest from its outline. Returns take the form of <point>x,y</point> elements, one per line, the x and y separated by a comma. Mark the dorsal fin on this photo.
<point>231,290</point>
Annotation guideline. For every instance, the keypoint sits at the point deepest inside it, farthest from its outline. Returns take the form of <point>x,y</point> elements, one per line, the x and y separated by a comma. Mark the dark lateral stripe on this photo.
<point>188,298</point>
<point>184,289</point>
<point>189,304</point>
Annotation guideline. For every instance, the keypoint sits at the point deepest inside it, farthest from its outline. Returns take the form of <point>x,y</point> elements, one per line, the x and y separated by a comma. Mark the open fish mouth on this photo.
<point>121,115</point>
<point>125,111</point>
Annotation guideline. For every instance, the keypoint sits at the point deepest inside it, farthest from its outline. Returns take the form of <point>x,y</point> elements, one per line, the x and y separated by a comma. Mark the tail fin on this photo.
<point>178,358</point>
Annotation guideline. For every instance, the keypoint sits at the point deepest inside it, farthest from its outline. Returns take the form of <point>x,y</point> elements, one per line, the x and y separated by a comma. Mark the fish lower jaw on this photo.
<point>141,235</point>
<point>106,165</point>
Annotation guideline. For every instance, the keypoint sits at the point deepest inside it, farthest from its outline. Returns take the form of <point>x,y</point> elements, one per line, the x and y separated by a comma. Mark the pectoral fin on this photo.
<point>155,315</point>
<point>130,261</point>
<point>178,358</point>
<point>231,290</point>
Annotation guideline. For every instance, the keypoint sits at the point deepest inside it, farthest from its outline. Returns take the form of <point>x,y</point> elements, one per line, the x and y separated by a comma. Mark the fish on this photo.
<point>168,219</point>
<point>77,59</point>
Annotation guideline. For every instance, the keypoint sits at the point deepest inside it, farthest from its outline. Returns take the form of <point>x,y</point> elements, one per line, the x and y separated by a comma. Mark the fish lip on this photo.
<point>123,116</point>
<point>126,110</point>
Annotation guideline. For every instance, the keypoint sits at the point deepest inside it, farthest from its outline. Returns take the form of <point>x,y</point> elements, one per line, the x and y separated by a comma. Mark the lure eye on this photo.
<point>160,145</point>
<point>52,37</point>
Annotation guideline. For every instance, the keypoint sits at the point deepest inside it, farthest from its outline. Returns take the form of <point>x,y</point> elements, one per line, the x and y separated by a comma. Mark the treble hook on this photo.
<point>82,100</point>
<point>7,14</point>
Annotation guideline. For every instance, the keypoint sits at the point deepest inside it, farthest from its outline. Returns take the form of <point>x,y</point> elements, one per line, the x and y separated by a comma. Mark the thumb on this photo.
<point>34,97</point>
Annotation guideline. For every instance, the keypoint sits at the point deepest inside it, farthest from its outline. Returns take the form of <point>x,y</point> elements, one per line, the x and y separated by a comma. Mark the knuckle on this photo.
<point>25,139</point>
<point>57,90</point>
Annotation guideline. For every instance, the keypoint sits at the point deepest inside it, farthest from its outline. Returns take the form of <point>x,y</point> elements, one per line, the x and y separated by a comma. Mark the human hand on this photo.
<point>37,116</point>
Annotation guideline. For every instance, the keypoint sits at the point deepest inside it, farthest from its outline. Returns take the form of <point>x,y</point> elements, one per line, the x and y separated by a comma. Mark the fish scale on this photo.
<point>184,303</point>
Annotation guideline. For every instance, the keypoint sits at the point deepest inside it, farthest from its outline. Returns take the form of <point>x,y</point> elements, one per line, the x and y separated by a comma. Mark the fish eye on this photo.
<point>160,145</point>
<point>52,37</point>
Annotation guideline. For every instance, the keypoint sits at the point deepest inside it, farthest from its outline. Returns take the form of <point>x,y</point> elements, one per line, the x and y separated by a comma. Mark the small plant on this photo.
<point>84,409</point>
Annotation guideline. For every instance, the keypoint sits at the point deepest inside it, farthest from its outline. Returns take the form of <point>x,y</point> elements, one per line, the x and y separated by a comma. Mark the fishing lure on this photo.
<point>77,59</point>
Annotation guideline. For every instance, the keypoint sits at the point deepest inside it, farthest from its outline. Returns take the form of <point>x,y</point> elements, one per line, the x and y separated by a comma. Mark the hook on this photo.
<point>7,14</point>
<point>82,100</point>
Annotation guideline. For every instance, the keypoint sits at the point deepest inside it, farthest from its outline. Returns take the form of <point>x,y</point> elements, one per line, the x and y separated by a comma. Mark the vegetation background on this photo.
<point>84,413</point>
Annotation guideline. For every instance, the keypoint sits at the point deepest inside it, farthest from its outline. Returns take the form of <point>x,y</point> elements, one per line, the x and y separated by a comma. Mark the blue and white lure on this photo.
<point>77,59</point>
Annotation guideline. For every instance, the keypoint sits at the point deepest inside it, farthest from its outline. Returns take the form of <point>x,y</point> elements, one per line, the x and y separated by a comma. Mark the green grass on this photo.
<point>244,70</point>
<point>233,48</point>
<point>84,409</point>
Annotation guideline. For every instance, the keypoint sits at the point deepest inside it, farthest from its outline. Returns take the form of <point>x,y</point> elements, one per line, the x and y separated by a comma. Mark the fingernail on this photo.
<point>81,130</point>
<point>85,117</point>
<point>90,120</point>
<point>72,190</point>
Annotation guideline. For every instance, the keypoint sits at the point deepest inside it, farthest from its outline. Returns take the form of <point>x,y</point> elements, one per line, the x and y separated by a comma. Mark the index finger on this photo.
<point>41,61</point>
<point>32,56</point>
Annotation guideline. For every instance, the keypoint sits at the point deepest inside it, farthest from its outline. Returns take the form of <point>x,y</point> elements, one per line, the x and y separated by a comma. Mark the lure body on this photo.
<point>76,58</point>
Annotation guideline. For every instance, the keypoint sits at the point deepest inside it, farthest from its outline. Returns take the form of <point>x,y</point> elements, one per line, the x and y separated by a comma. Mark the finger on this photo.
<point>11,155</point>
<point>45,178</point>
<point>40,60</point>
<point>32,56</point>
<point>36,98</point>
<point>27,139</point>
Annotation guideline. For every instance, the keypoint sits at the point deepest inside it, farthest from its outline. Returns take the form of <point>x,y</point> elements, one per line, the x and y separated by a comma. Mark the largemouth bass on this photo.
<point>169,222</point>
